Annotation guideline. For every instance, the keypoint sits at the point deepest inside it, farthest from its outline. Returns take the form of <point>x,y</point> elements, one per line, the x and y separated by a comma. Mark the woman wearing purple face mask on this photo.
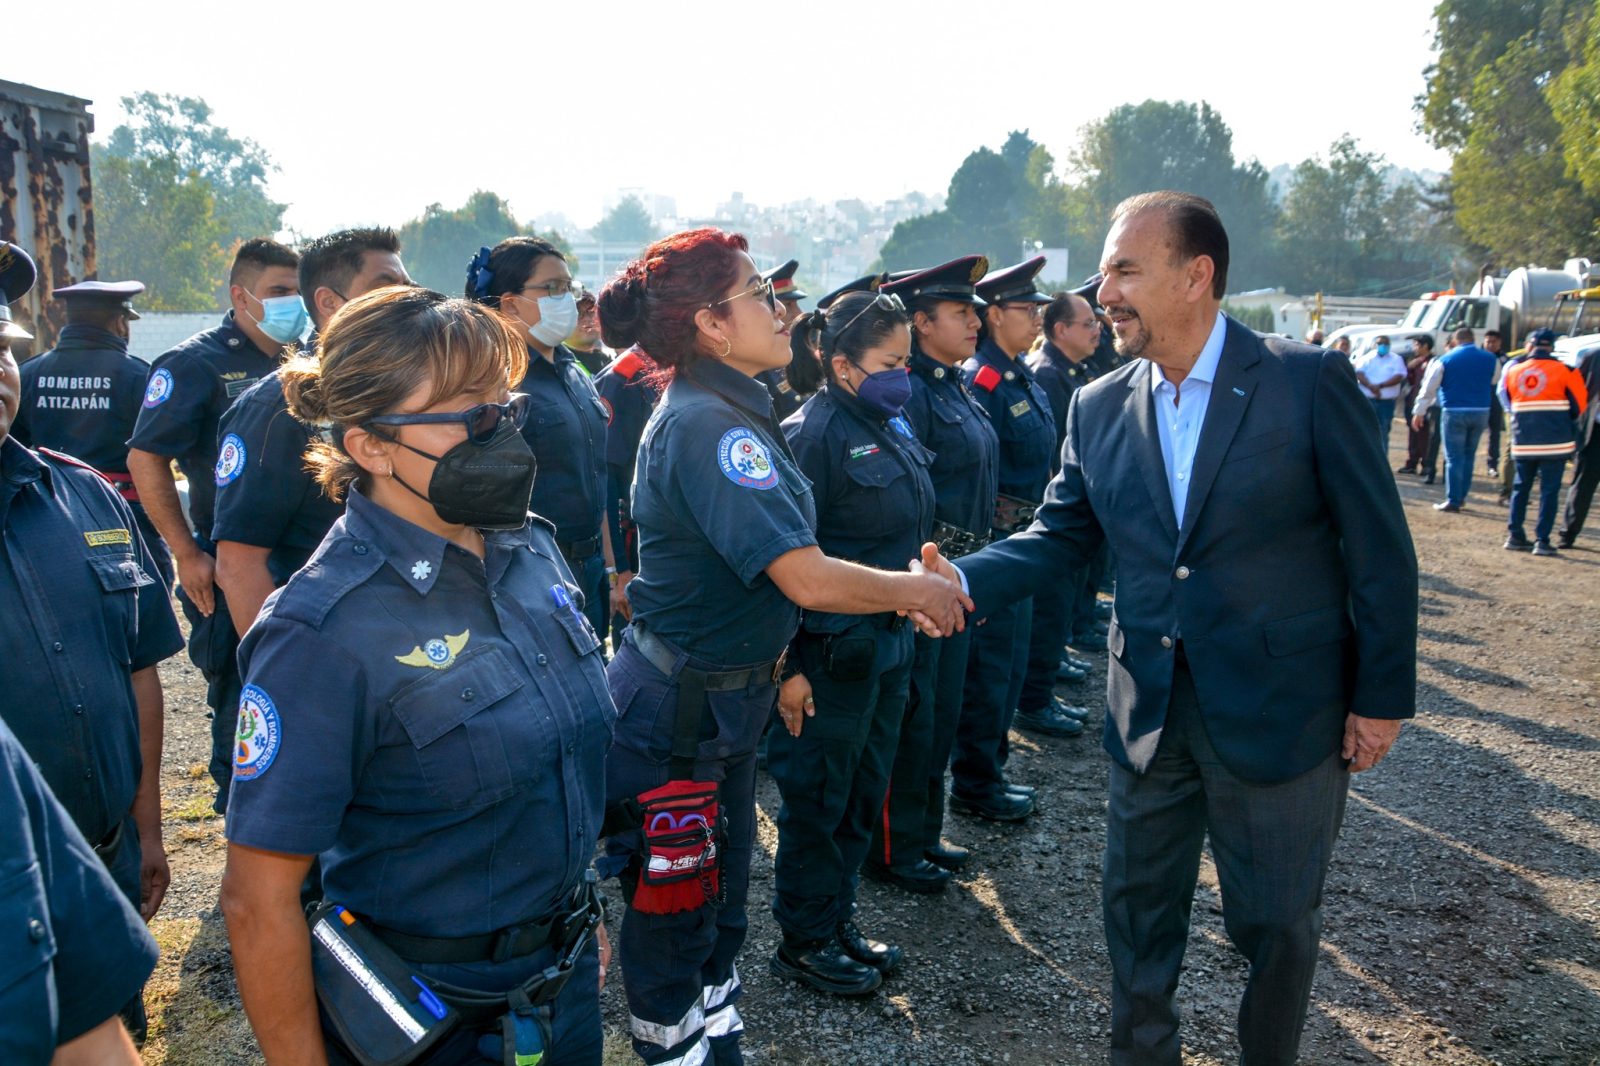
<point>874,498</point>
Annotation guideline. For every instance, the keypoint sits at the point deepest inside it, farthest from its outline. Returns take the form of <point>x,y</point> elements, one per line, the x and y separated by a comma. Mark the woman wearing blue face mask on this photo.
<point>528,282</point>
<point>831,760</point>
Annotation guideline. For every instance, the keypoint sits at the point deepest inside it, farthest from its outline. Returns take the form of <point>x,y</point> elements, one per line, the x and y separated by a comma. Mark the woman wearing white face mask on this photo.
<point>528,282</point>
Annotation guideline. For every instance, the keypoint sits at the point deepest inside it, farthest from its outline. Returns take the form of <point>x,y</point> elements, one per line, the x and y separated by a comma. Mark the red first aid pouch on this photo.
<point>682,848</point>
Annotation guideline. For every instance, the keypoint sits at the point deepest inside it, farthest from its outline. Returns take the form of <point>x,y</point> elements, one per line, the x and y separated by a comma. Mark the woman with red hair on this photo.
<point>728,558</point>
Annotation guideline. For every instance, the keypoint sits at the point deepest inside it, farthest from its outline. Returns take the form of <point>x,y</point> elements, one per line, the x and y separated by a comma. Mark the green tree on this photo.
<point>629,222</point>
<point>1159,144</point>
<point>1516,177</point>
<point>438,244</point>
<point>174,194</point>
<point>1575,102</point>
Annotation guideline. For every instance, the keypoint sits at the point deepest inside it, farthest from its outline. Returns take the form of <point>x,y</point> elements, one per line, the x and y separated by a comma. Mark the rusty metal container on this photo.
<point>46,198</point>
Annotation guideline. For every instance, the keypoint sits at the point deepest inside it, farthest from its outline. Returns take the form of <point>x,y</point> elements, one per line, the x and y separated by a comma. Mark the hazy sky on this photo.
<point>373,111</point>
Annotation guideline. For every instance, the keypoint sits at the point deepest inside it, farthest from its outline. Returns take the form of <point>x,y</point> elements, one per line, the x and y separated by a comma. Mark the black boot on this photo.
<point>881,957</point>
<point>825,966</point>
<point>921,876</point>
<point>952,857</point>
<point>996,806</point>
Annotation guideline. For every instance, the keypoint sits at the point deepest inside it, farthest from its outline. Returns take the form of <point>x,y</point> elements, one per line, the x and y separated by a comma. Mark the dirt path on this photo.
<point>1463,912</point>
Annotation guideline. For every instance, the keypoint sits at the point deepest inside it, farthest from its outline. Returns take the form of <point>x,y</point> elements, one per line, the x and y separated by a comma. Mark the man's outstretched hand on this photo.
<point>934,563</point>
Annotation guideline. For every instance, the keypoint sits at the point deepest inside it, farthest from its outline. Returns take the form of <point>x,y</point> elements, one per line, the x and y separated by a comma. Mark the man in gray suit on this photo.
<point>1264,639</point>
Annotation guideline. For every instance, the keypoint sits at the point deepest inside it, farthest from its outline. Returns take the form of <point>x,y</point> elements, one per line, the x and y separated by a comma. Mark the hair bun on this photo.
<point>621,307</point>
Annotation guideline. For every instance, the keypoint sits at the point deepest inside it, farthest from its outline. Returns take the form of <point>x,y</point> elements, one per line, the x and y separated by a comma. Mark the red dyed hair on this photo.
<point>653,301</point>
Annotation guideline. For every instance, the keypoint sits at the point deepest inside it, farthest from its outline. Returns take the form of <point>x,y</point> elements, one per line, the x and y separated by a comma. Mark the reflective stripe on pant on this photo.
<point>833,777</point>
<point>898,837</point>
<point>670,961</point>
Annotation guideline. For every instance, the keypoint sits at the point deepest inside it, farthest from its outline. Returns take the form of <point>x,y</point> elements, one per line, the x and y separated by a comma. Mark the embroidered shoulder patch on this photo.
<point>230,459</point>
<point>744,460</point>
<point>986,378</point>
<point>159,389</point>
<point>259,736</point>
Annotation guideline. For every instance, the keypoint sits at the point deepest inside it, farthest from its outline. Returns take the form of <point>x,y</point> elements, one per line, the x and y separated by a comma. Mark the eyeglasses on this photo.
<point>762,288</point>
<point>481,421</point>
<point>888,301</point>
<point>558,287</point>
<point>1032,310</point>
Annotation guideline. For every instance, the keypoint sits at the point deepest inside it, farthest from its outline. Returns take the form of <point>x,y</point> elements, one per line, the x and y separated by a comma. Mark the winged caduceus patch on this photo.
<point>436,654</point>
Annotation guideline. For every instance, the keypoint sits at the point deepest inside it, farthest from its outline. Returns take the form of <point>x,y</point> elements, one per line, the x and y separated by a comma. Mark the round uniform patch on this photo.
<point>744,459</point>
<point>230,460</point>
<point>610,412</point>
<point>259,736</point>
<point>159,388</point>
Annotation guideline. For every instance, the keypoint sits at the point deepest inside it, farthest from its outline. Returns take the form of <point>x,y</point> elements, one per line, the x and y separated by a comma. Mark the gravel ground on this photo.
<point>1463,907</point>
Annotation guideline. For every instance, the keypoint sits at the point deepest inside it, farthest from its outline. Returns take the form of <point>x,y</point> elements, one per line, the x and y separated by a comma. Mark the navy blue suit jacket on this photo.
<point>1292,583</point>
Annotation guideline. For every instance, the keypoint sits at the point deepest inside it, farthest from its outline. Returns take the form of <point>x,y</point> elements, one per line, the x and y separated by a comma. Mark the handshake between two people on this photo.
<point>938,606</point>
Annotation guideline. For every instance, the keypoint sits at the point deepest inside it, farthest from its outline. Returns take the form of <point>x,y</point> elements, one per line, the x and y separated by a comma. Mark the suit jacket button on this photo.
<point>1166,642</point>
<point>1183,573</point>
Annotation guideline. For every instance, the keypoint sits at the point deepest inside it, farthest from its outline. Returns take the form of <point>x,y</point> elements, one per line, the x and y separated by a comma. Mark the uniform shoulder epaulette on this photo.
<point>72,460</point>
<point>628,365</point>
<point>986,378</point>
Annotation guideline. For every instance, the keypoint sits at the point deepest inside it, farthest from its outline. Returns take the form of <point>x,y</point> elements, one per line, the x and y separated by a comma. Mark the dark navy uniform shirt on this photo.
<point>629,396</point>
<point>82,397</point>
<point>265,495</point>
<point>1021,416</point>
<point>966,451</point>
<point>73,951</point>
<point>1059,377</point>
<point>566,429</point>
<point>869,477</point>
<point>717,497</point>
<point>83,611</point>
<point>433,725</point>
<point>189,389</point>
<point>785,401</point>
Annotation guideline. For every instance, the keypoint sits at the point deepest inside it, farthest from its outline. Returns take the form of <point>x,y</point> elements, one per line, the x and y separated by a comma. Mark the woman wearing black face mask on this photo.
<point>832,759</point>
<point>423,707</point>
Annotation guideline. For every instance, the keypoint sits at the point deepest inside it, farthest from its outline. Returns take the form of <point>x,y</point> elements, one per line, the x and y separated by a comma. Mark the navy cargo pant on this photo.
<point>677,969</point>
<point>833,777</point>
<point>996,666</point>
<point>213,648</point>
<point>913,809</point>
<point>1052,626</point>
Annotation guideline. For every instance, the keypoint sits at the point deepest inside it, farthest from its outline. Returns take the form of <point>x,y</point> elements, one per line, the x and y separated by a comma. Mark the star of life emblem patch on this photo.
<point>421,569</point>
<point>438,653</point>
<point>744,459</point>
<point>259,736</point>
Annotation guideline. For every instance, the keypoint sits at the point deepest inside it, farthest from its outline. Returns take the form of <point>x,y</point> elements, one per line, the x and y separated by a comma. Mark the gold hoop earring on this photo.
<point>727,348</point>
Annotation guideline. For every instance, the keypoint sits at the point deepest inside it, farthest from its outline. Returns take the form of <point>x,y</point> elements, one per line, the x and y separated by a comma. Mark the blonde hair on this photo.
<point>376,351</point>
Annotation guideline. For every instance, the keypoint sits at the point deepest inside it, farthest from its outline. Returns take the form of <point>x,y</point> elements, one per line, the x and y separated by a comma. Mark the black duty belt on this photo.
<point>123,483</point>
<point>1013,513</point>
<point>693,684</point>
<point>512,942</point>
<point>578,551</point>
<point>954,542</point>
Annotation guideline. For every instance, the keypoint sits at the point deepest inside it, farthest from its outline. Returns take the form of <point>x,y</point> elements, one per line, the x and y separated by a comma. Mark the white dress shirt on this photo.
<point>1181,412</point>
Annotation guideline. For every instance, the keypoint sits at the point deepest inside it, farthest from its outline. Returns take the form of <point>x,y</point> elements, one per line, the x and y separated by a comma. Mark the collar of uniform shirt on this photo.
<point>1205,367</point>
<point>414,553</point>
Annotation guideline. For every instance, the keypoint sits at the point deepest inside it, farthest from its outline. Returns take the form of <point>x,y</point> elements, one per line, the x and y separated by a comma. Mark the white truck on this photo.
<point>1525,299</point>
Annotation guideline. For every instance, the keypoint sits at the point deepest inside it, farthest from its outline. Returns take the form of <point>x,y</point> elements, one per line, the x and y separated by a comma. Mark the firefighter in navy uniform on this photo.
<point>84,626</point>
<point>270,512</point>
<point>82,397</point>
<point>629,393</point>
<point>998,660</point>
<point>874,499</point>
<point>189,389</point>
<point>907,850</point>
<point>786,400</point>
<point>584,340</point>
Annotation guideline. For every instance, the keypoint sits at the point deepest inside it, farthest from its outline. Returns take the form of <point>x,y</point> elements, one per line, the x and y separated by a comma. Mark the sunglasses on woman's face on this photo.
<point>481,422</point>
<point>761,288</point>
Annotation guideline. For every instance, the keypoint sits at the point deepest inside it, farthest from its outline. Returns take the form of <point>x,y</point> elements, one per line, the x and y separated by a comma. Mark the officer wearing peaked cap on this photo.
<point>82,397</point>
<point>907,850</point>
<point>785,400</point>
<point>17,274</point>
<point>998,661</point>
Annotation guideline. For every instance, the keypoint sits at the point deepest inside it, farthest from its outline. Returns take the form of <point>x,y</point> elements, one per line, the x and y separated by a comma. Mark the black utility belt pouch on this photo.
<point>681,866</point>
<point>849,656</point>
<point>385,1014</point>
